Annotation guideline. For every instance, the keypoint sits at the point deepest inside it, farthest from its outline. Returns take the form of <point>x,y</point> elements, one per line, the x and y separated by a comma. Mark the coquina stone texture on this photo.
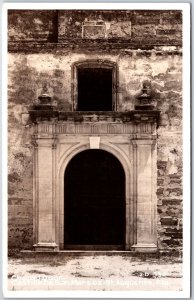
<point>145,45</point>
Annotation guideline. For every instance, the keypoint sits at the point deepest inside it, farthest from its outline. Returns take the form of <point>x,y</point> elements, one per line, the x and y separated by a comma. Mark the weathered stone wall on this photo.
<point>156,26</point>
<point>50,67</point>
<point>31,25</point>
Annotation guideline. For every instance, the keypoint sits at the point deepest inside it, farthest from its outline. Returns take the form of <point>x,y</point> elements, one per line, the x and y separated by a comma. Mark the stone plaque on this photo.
<point>93,30</point>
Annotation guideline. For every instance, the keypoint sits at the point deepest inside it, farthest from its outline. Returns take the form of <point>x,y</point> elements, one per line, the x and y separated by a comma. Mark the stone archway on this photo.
<point>132,143</point>
<point>94,209</point>
<point>127,169</point>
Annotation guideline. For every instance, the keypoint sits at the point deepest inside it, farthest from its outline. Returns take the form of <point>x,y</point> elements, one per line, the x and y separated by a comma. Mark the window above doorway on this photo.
<point>94,86</point>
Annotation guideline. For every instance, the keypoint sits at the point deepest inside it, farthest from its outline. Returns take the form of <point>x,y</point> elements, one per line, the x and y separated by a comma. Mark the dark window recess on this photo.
<point>94,89</point>
<point>94,200</point>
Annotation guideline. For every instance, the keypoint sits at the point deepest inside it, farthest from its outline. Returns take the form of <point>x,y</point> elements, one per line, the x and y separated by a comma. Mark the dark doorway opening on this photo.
<point>95,89</point>
<point>94,216</point>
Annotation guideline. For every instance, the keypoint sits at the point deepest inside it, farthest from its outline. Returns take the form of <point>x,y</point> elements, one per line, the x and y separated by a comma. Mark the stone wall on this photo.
<point>42,58</point>
<point>156,26</point>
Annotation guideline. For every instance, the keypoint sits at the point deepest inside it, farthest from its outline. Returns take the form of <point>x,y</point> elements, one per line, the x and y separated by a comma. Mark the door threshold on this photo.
<point>94,247</point>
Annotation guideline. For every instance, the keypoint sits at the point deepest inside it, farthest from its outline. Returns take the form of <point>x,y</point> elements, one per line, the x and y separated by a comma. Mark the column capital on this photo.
<point>144,142</point>
<point>44,142</point>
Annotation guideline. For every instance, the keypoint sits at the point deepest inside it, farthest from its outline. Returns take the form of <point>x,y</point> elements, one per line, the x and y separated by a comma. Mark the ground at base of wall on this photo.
<point>97,273</point>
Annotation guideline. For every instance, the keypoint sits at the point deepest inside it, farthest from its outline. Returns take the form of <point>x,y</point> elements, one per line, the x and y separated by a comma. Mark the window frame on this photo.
<point>104,64</point>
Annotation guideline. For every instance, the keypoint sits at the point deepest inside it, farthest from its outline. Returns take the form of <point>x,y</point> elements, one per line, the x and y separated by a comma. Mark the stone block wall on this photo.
<point>52,26</point>
<point>31,25</point>
<point>42,58</point>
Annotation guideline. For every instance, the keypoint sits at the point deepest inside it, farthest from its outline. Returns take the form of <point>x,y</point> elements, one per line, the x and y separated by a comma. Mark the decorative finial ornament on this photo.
<point>145,98</point>
<point>45,103</point>
<point>44,99</point>
<point>44,109</point>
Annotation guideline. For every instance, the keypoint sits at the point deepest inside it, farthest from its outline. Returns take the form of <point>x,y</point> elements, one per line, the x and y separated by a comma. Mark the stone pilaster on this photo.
<point>144,195</point>
<point>44,197</point>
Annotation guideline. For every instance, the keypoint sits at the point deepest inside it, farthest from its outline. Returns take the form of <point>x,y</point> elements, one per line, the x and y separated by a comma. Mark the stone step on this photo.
<point>77,253</point>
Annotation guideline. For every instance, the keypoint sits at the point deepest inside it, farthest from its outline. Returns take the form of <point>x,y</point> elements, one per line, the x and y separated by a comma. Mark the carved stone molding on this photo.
<point>133,142</point>
<point>53,116</point>
<point>47,129</point>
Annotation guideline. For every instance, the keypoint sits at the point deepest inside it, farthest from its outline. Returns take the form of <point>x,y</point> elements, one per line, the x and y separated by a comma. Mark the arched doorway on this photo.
<point>94,208</point>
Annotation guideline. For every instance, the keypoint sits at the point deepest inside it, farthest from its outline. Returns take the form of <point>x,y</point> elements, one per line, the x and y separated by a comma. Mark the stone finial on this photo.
<point>45,103</point>
<point>145,98</point>
<point>44,99</point>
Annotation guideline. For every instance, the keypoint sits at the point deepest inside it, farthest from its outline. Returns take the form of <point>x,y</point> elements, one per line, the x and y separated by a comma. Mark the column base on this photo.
<point>46,247</point>
<point>127,247</point>
<point>145,248</point>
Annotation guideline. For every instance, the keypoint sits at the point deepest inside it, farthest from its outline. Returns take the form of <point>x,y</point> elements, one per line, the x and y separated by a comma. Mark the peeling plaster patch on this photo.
<point>38,21</point>
<point>18,110</point>
<point>171,164</point>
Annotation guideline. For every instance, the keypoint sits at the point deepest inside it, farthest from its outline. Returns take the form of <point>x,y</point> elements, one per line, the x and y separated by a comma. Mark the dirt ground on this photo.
<point>97,273</point>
